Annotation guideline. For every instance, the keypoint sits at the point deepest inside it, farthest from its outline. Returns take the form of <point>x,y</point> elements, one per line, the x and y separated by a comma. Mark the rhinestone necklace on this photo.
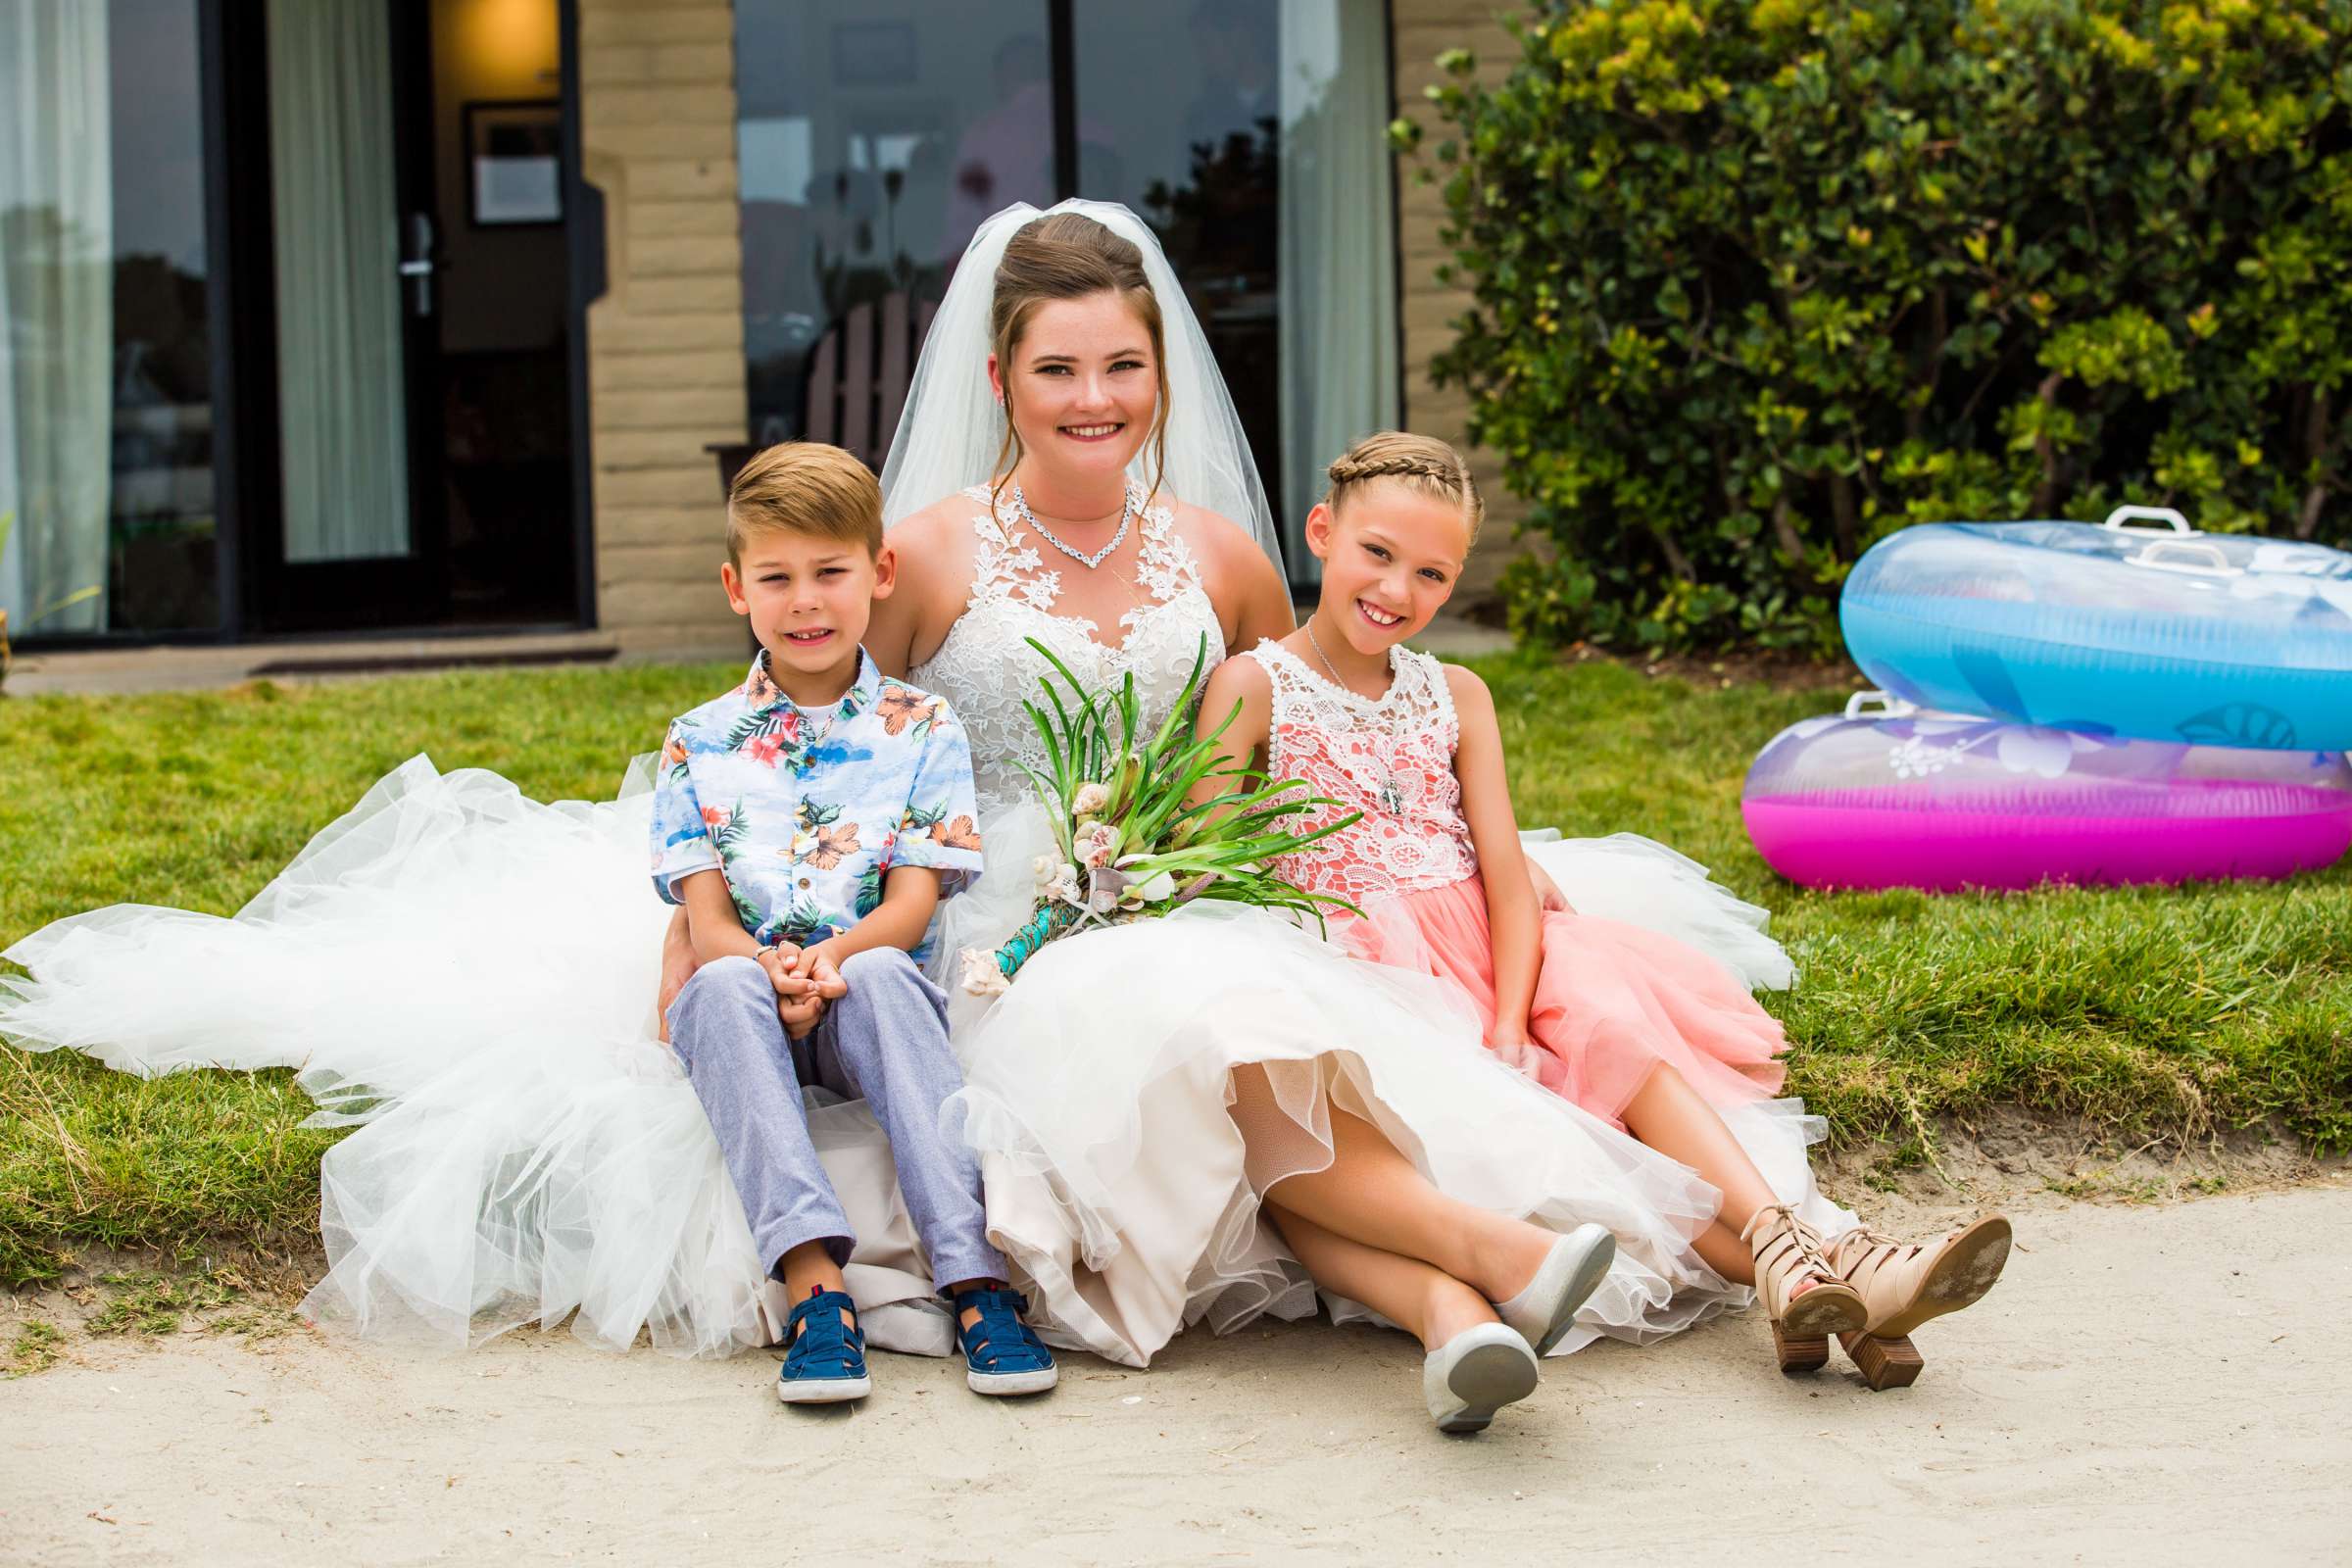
<point>1127,513</point>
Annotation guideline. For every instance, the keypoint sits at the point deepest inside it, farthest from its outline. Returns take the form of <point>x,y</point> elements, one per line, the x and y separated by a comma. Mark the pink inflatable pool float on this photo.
<point>1893,796</point>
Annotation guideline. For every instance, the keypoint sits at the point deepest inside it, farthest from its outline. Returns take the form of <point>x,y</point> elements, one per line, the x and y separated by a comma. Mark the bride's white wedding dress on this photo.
<point>526,1151</point>
<point>1097,1088</point>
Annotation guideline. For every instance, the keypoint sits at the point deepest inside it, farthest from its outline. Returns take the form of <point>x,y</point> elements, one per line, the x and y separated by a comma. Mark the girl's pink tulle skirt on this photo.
<point>1613,1002</point>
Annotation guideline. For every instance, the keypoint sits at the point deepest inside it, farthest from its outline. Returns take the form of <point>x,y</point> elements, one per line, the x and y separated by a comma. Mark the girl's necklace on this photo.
<point>1392,797</point>
<point>1336,679</point>
<point>1127,512</point>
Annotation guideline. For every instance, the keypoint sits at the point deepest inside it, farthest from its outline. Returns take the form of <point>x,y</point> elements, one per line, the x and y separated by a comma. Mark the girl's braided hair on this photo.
<point>1424,462</point>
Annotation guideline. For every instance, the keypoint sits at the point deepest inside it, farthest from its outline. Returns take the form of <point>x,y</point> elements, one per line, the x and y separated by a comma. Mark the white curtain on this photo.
<point>340,395</point>
<point>1337,258</point>
<point>56,307</point>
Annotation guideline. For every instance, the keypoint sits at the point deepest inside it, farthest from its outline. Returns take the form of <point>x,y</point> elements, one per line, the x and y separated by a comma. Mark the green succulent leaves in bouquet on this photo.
<point>1133,841</point>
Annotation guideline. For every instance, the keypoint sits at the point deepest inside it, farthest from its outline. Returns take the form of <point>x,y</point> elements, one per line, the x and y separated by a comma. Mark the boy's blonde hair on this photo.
<point>1422,462</point>
<point>803,487</point>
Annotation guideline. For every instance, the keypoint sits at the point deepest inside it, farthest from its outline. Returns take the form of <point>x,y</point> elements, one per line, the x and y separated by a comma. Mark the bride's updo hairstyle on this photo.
<point>1067,256</point>
<point>1423,463</point>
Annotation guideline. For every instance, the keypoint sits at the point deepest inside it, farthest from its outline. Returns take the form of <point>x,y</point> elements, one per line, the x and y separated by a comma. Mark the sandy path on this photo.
<point>2153,1385</point>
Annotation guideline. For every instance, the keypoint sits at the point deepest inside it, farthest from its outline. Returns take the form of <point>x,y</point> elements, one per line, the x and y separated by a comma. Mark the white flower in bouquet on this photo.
<point>1090,800</point>
<point>982,975</point>
<point>1095,843</point>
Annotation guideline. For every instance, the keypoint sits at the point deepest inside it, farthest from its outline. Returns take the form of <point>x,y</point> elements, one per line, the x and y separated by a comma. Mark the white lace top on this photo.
<point>1390,758</point>
<point>986,669</point>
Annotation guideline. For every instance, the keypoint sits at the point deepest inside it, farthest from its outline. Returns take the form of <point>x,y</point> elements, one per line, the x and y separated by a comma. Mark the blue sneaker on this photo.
<point>824,1361</point>
<point>1002,1354</point>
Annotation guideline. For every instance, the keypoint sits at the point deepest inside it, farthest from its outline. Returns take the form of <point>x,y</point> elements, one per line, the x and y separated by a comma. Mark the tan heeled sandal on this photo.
<point>1788,1253</point>
<point>1905,1283</point>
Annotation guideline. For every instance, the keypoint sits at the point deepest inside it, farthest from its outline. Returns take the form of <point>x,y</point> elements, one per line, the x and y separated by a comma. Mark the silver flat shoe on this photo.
<point>1545,1310</point>
<point>1476,1373</point>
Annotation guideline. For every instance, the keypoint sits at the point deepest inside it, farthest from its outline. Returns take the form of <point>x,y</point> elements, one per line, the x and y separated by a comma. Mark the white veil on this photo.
<point>951,428</point>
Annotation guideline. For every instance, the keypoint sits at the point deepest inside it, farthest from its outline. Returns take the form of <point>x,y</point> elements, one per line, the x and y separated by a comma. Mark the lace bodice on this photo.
<point>986,669</point>
<point>1390,758</point>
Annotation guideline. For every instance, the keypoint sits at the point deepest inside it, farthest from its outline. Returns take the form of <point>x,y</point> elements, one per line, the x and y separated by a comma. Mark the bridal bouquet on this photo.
<point>1133,843</point>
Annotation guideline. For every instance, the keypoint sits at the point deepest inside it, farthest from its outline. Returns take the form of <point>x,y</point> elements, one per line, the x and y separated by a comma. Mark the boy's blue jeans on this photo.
<point>887,1043</point>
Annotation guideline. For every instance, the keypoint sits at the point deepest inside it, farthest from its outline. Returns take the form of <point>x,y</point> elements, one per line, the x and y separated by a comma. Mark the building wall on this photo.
<point>1424,30</point>
<point>666,343</point>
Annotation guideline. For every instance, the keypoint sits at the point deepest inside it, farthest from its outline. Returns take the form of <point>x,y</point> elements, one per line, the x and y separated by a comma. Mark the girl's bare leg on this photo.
<point>1429,1304</point>
<point>1726,1254</point>
<point>1373,1195</point>
<point>1671,1117</point>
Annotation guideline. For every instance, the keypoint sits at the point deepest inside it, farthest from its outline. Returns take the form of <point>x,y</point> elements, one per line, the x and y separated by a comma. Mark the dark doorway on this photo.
<point>412,464</point>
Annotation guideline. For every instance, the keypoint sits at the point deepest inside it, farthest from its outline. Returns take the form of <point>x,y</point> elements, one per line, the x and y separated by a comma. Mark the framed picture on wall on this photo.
<point>515,161</point>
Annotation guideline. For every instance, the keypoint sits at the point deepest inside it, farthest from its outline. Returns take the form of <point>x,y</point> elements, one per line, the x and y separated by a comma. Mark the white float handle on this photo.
<point>1889,706</point>
<point>2211,555</point>
<point>2119,517</point>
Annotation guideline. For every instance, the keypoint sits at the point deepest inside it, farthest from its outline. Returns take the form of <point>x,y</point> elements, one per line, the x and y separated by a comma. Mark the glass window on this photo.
<point>106,416</point>
<point>1198,158</point>
<point>873,137</point>
<point>1261,160</point>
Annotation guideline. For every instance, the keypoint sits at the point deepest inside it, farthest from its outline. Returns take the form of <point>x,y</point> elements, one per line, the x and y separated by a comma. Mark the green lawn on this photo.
<point>2162,1013</point>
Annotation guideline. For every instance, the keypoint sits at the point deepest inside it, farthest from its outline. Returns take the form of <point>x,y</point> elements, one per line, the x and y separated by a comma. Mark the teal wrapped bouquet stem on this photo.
<point>1049,921</point>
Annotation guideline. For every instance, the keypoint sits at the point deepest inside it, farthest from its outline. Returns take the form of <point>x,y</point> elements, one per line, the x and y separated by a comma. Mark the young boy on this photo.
<point>809,822</point>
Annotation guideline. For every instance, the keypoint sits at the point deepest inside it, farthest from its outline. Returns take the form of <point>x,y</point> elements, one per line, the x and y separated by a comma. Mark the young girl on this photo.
<point>1632,1026</point>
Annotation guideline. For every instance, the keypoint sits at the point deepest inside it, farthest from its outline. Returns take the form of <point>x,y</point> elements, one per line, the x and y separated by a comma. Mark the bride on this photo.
<point>1141,1090</point>
<point>530,1152</point>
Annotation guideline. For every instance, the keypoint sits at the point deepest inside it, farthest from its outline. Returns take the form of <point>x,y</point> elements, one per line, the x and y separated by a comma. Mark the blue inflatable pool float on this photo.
<point>2116,629</point>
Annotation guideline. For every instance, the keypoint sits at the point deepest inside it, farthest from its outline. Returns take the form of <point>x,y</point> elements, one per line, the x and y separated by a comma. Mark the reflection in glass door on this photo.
<point>342,392</point>
<point>106,357</point>
<point>1261,160</point>
<point>873,139</point>
<point>352,542</point>
<point>876,134</point>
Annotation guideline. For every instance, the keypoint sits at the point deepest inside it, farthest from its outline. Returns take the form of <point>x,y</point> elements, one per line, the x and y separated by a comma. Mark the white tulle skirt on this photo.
<point>1099,1093</point>
<point>467,977</point>
<point>470,976</point>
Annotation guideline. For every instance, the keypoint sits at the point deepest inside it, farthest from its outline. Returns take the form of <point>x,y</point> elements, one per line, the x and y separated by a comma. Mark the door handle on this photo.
<point>418,267</point>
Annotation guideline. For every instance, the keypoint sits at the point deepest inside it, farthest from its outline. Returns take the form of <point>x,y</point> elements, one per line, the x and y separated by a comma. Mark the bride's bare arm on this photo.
<point>1253,601</point>
<point>930,577</point>
<point>891,629</point>
<point>1264,604</point>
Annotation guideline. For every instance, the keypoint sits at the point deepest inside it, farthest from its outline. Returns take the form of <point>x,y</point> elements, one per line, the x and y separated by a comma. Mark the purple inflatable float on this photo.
<point>1889,795</point>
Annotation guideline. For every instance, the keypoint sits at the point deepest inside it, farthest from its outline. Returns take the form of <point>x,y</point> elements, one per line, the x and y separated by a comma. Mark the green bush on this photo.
<point>1758,283</point>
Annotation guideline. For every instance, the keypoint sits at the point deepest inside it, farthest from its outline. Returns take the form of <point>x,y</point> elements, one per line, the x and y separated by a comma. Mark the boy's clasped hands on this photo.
<point>806,979</point>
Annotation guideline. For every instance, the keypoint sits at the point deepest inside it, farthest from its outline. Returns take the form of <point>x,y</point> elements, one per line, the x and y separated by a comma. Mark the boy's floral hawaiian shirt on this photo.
<point>804,810</point>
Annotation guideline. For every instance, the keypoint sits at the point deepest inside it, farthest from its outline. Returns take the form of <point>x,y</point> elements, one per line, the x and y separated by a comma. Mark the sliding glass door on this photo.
<point>1261,158</point>
<point>285,289</point>
<point>342,531</point>
<point>105,361</point>
<point>876,134</point>
<point>873,139</point>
